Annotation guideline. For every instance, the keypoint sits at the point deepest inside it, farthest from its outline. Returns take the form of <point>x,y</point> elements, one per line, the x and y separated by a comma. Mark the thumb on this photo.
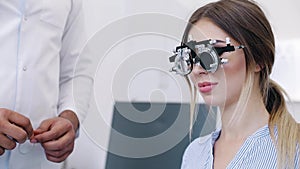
<point>44,126</point>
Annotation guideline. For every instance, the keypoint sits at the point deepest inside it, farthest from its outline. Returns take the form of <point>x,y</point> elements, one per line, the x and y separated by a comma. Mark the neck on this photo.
<point>240,121</point>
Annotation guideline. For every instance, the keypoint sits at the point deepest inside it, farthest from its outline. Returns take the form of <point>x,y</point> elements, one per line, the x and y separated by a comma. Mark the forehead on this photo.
<point>205,29</point>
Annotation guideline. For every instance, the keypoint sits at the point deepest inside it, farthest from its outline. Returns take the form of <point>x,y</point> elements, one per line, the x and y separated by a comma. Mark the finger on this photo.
<point>58,159</point>
<point>2,150</point>
<point>59,144</point>
<point>48,136</point>
<point>6,142</point>
<point>22,122</point>
<point>15,132</point>
<point>59,153</point>
<point>54,132</point>
<point>44,127</point>
<point>38,131</point>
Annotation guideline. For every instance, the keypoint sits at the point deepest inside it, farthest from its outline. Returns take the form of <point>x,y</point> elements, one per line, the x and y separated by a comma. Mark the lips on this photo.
<point>206,87</point>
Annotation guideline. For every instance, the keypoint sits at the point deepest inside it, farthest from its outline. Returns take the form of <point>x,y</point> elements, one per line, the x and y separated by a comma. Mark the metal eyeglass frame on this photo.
<point>202,53</point>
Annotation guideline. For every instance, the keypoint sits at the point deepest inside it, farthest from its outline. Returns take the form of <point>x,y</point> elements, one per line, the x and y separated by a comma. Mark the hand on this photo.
<point>57,136</point>
<point>14,127</point>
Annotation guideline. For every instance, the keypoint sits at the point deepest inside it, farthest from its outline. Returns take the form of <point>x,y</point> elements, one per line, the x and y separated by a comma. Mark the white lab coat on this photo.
<point>40,42</point>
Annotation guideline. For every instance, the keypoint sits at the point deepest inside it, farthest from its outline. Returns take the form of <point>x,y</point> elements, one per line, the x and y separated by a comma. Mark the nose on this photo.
<point>198,70</point>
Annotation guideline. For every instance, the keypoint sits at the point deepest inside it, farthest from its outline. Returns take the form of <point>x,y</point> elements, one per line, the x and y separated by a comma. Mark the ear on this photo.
<point>257,68</point>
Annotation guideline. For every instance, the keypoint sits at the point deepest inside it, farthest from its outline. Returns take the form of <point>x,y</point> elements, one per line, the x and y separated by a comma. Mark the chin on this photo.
<point>213,101</point>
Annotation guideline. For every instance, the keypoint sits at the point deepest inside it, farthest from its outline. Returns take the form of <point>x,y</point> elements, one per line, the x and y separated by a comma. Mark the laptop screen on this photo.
<point>148,135</point>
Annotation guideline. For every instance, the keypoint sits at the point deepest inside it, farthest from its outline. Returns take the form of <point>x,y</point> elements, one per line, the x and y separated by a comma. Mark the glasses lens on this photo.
<point>183,65</point>
<point>205,60</point>
<point>208,58</point>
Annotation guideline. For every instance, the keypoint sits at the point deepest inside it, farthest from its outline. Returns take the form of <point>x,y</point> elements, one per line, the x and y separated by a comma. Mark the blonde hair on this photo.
<point>244,21</point>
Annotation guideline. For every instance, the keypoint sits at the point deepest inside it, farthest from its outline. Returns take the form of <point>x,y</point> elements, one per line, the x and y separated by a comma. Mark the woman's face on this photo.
<point>223,87</point>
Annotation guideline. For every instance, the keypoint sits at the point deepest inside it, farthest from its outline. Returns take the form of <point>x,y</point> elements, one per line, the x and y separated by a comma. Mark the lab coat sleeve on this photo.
<point>75,78</point>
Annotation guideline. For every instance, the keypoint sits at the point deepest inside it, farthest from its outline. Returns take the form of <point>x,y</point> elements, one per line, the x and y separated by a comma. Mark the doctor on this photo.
<point>39,119</point>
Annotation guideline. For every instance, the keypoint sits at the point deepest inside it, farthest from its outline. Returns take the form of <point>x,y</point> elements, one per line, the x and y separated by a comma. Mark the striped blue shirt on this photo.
<point>258,151</point>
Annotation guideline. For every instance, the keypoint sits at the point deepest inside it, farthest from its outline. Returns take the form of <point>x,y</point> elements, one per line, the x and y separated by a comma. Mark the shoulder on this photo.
<point>199,143</point>
<point>202,140</point>
<point>197,152</point>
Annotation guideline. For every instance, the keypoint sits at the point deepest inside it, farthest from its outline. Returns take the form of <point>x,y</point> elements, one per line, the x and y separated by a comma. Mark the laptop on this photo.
<point>148,135</point>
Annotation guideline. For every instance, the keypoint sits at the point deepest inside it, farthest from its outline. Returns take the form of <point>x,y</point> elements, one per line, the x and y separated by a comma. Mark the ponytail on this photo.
<point>275,98</point>
<point>284,129</point>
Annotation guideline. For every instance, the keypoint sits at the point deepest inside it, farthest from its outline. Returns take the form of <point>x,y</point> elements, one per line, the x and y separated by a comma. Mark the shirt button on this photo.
<point>24,68</point>
<point>25,18</point>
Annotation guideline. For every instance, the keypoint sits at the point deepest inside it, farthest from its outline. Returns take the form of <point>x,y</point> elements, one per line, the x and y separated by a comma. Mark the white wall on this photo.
<point>154,83</point>
<point>283,17</point>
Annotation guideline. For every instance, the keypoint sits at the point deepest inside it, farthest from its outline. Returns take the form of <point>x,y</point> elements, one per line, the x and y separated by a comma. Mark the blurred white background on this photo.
<point>90,151</point>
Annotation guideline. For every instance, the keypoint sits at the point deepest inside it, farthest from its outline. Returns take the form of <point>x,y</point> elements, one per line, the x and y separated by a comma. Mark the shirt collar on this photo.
<point>261,132</point>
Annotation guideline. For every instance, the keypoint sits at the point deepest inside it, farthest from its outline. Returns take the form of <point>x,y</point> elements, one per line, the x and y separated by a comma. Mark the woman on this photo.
<point>257,130</point>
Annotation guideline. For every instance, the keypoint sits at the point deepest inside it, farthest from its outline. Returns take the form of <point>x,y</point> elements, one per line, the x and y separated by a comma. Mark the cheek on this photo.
<point>235,73</point>
<point>193,78</point>
<point>194,75</point>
